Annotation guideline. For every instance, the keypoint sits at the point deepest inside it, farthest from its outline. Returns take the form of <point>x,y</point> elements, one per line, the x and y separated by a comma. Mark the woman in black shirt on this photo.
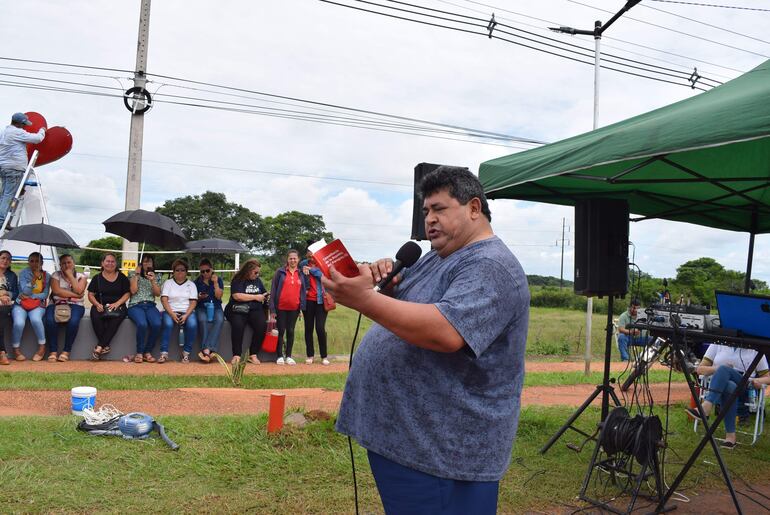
<point>108,293</point>
<point>249,295</point>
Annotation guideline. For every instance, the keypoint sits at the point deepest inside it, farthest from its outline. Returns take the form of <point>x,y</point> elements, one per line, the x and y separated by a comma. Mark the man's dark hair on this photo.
<point>635,302</point>
<point>459,182</point>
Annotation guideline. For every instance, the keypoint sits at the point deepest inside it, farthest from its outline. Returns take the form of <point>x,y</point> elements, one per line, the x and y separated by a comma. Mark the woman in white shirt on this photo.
<point>179,296</point>
<point>67,289</point>
<point>727,365</point>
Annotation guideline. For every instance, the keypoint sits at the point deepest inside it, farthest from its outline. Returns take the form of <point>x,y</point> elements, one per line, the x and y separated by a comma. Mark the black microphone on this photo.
<point>406,256</point>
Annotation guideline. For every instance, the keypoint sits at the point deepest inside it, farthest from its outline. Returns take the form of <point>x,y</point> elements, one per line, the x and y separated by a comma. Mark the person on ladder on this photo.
<point>13,158</point>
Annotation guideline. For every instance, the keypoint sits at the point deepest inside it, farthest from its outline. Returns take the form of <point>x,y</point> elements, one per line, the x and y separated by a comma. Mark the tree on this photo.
<point>210,215</point>
<point>292,230</point>
<point>94,257</point>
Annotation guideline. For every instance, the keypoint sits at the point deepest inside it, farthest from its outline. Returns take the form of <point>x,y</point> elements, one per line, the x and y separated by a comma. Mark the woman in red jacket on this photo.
<point>287,297</point>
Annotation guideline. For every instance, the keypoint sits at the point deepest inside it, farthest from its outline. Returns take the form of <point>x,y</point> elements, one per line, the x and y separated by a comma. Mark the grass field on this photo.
<point>230,464</point>
<point>552,332</point>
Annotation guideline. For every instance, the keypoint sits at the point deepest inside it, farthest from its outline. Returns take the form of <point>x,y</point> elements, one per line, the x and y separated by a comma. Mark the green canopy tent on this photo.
<point>704,160</point>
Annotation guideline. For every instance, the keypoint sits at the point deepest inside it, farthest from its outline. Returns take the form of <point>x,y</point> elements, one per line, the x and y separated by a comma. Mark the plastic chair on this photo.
<point>756,405</point>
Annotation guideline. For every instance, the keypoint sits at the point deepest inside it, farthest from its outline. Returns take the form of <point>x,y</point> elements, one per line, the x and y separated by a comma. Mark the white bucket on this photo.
<point>83,397</point>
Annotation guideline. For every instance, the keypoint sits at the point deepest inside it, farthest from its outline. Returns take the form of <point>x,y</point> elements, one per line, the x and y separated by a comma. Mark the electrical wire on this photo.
<point>673,30</point>
<point>496,8</point>
<point>710,25</point>
<point>494,36</point>
<point>713,5</point>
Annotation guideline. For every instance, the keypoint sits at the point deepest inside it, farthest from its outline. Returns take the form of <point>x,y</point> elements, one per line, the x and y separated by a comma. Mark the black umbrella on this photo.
<point>41,234</point>
<point>150,227</point>
<point>215,246</point>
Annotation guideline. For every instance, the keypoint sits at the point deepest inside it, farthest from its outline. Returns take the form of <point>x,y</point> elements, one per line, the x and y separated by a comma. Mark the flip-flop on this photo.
<point>105,350</point>
<point>128,358</point>
<point>52,357</point>
<point>95,356</point>
<point>63,357</point>
<point>206,358</point>
<point>148,358</point>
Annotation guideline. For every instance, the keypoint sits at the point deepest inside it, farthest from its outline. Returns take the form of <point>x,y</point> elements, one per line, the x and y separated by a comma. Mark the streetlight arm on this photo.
<point>621,12</point>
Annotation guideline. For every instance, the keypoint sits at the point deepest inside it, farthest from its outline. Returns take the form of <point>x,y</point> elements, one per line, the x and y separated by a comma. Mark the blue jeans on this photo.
<point>20,315</point>
<point>723,384</point>
<point>70,331</point>
<point>190,331</point>
<point>405,491</point>
<point>625,340</point>
<point>210,331</point>
<point>145,315</point>
<point>11,180</point>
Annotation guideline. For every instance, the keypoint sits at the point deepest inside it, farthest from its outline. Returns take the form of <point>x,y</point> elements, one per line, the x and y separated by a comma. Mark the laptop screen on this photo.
<point>749,314</point>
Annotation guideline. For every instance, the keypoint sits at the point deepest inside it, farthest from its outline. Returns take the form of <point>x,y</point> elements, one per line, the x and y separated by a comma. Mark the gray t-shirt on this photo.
<point>452,415</point>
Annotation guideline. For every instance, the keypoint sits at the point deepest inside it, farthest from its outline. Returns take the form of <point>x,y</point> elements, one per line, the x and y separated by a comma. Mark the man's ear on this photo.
<point>475,208</point>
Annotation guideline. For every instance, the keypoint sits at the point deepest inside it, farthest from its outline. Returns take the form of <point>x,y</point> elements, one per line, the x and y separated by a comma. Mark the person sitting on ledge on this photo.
<point>67,289</point>
<point>727,365</point>
<point>627,336</point>
<point>34,286</point>
<point>9,290</point>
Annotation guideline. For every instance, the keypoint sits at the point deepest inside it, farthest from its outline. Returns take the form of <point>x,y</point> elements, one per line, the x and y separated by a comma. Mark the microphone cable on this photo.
<point>350,440</point>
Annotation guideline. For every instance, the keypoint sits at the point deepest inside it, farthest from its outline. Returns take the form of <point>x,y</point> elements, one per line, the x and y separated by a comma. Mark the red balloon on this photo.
<point>57,142</point>
<point>38,121</point>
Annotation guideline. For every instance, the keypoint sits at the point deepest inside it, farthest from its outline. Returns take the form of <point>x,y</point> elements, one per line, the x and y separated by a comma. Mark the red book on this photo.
<point>333,254</point>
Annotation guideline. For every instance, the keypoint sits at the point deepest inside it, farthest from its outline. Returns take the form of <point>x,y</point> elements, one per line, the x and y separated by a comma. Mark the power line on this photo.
<point>706,24</point>
<point>673,30</point>
<point>494,36</point>
<point>605,37</point>
<point>714,5</point>
<point>68,65</point>
<point>552,23</point>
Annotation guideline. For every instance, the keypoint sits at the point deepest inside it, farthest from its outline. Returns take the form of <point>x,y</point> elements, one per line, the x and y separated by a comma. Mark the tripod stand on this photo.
<point>605,389</point>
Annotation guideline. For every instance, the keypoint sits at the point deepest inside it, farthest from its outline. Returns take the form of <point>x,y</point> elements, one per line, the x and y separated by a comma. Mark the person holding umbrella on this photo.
<point>9,290</point>
<point>67,289</point>
<point>108,294</point>
<point>209,310</point>
<point>179,297</point>
<point>34,286</point>
<point>142,311</point>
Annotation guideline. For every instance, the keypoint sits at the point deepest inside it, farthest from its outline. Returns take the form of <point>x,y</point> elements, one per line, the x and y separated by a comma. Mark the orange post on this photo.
<point>275,415</point>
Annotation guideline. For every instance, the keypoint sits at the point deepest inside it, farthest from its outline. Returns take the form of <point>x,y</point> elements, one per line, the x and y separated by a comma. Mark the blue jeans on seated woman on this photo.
<point>19,316</point>
<point>190,331</point>
<point>723,384</point>
<point>145,315</point>
<point>210,331</point>
<point>71,328</point>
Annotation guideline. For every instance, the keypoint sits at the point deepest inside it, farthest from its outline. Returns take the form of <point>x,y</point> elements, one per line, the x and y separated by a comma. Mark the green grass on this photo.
<point>230,464</point>
<point>334,381</point>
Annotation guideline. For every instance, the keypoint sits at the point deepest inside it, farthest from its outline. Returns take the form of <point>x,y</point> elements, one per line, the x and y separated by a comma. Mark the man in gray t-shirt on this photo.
<point>434,390</point>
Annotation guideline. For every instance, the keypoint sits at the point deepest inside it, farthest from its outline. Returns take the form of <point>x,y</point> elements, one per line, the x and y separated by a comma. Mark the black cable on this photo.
<point>713,5</point>
<point>672,30</point>
<point>350,440</point>
<point>493,36</point>
<point>68,65</point>
<point>707,24</point>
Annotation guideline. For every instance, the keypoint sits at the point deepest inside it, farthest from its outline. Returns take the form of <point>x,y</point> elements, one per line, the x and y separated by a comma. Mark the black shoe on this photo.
<point>728,445</point>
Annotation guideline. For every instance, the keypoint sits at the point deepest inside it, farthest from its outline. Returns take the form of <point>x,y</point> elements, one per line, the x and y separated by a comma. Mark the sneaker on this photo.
<point>309,361</point>
<point>4,358</point>
<point>692,412</point>
<point>325,362</point>
<point>290,361</point>
<point>185,357</point>
<point>728,445</point>
<point>279,361</point>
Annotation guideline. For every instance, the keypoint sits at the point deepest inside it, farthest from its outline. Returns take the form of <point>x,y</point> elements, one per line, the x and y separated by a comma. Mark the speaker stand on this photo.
<point>605,389</point>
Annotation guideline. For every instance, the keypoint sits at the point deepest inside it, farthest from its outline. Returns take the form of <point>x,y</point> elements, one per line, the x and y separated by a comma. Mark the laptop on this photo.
<point>749,315</point>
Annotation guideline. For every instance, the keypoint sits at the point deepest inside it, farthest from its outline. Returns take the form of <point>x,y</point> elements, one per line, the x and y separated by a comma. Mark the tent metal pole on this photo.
<point>750,260</point>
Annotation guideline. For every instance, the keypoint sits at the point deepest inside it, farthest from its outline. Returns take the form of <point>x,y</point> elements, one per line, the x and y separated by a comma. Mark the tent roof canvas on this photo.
<point>704,160</point>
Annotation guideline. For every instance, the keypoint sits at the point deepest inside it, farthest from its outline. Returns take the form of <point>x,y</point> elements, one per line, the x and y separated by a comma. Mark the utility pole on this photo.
<point>561,274</point>
<point>138,101</point>
<point>597,34</point>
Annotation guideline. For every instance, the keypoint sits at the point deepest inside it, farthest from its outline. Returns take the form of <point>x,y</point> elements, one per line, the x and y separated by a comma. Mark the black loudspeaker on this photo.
<point>601,247</point>
<point>418,220</point>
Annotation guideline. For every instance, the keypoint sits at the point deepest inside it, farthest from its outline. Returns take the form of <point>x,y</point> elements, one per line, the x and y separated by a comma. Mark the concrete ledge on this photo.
<point>124,343</point>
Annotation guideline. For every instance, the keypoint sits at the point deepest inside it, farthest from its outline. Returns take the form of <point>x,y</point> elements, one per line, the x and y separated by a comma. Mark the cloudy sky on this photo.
<point>359,179</point>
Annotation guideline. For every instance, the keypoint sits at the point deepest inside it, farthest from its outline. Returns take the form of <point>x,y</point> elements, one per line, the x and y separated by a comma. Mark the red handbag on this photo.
<point>270,343</point>
<point>30,303</point>
<point>329,303</point>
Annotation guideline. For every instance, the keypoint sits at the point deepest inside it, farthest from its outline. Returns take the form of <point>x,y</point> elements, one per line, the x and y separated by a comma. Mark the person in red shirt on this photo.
<point>287,297</point>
